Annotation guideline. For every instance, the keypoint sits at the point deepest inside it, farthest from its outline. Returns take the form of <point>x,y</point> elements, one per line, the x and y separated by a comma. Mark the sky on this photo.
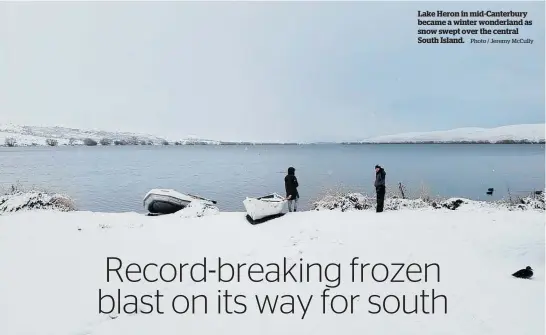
<point>267,71</point>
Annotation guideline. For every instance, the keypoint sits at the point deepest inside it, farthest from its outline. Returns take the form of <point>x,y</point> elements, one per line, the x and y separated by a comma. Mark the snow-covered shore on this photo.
<point>54,263</point>
<point>356,201</point>
<point>18,199</point>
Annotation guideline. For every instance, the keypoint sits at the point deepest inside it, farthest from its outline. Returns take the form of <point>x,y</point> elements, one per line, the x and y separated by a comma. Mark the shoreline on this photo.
<point>52,136</point>
<point>36,201</point>
<point>226,144</point>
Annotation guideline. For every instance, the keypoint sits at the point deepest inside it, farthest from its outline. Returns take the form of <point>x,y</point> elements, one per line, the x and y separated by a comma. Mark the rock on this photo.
<point>453,204</point>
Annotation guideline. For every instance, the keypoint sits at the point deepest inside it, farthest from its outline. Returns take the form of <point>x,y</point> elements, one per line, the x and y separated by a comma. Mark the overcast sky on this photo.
<point>260,71</point>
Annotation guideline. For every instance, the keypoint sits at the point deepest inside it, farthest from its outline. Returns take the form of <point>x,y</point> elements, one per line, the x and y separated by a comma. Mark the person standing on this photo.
<point>291,187</point>
<point>380,187</point>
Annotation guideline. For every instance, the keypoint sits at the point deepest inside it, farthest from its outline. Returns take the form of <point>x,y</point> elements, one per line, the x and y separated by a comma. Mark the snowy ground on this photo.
<point>52,265</point>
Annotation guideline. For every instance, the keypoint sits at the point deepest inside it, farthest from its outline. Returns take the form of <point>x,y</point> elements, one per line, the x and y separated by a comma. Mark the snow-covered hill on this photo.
<point>39,136</point>
<point>16,135</point>
<point>512,133</point>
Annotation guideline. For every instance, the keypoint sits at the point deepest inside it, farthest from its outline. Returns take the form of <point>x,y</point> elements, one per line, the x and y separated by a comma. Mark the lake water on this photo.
<point>116,178</point>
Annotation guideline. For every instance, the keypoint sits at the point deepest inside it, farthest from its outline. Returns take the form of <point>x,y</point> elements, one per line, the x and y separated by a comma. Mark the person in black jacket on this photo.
<point>291,187</point>
<point>380,187</point>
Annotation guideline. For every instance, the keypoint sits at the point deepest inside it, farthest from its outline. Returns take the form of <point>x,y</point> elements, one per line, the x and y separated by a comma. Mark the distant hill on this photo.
<point>523,133</point>
<point>41,136</point>
<point>18,135</point>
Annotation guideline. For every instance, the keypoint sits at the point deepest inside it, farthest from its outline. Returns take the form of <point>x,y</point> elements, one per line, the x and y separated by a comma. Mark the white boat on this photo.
<point>266,206</point>
<point>167,201</point>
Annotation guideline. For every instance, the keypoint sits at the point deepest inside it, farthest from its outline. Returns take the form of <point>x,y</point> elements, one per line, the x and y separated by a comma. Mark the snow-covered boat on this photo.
<point>167,201</point>
<point>266,206</point>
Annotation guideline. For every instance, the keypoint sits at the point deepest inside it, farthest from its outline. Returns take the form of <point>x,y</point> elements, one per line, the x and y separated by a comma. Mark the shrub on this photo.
<point>10,142</point>
<point>105,141</point>
<point>133,140</point>
<point>52,142</point>
<point>89,142</point>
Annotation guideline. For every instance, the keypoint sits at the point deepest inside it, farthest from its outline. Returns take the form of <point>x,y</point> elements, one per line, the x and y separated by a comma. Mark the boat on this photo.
<point>268,206</point>
<point>168,201</point>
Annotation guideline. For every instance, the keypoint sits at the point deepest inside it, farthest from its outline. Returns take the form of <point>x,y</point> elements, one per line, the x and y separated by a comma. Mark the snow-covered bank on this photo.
<point>17,199</point>
<point>53,265</point>
<point>356,201</point>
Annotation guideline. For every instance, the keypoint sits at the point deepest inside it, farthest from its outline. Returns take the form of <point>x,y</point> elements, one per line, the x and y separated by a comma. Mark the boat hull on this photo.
<point>164,207</point>
<point>161,201</point>
<point>264,207</point>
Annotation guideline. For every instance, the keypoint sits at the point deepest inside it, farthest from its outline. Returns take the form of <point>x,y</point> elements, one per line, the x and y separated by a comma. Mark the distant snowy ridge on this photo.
<point>533,133</point>
<point>17,135</point>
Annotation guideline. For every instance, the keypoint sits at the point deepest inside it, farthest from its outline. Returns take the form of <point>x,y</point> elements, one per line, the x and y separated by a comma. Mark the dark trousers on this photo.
<point>380,190</point>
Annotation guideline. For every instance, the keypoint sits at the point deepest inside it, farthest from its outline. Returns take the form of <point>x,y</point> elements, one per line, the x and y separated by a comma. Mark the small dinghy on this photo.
<point>266,207</point>
<point>167,201</point>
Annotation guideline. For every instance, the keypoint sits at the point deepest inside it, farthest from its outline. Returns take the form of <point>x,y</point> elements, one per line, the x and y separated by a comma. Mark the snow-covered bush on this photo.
<point>17,200</point>
<point>396,203</point>
<point>343,202</point>
<point>89,142</point>
<point>535,201</point>
<point>52,142</point>
<point>356,201</point>
<point>10,142</point>
<point>133,140</point>
<point>105,141</point>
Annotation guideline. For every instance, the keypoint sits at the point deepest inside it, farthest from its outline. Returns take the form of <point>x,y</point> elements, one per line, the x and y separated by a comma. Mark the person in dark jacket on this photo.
<point>291,187</point>
<point>380,187</point>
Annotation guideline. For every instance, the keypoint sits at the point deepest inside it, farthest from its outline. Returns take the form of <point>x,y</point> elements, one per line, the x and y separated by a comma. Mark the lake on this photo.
<point>116,178</point>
